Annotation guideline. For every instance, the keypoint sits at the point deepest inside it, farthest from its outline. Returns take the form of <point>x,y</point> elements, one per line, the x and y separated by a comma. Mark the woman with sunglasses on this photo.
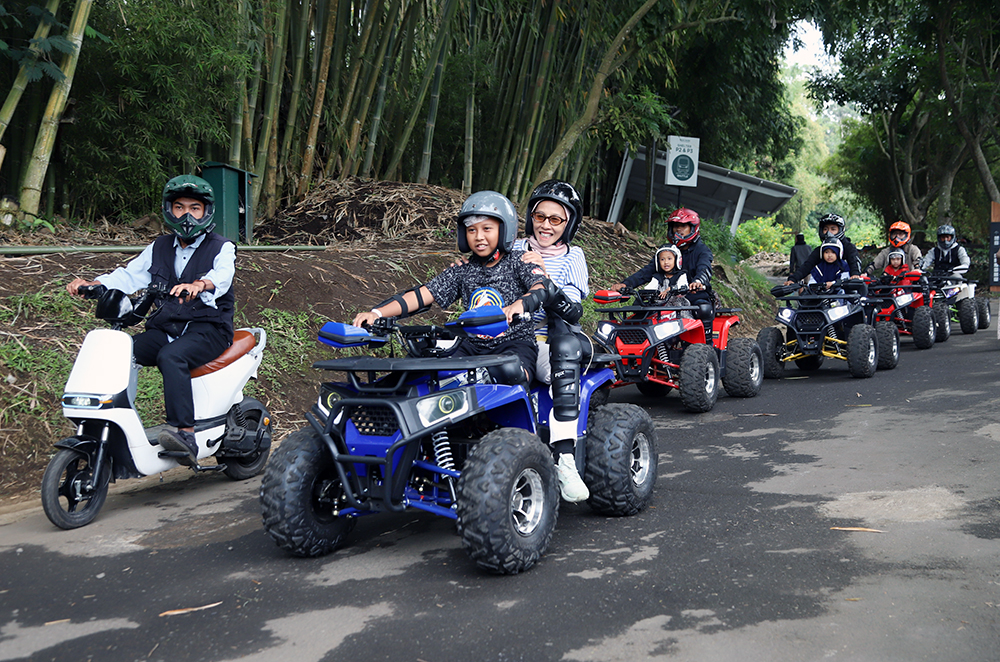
<point>554,214</point>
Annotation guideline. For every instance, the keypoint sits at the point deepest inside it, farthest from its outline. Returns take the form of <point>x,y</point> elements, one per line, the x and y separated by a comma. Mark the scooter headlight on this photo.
<point>79,401</point>
<point>904,300</point>
<point>785,315</point>
<point>443,405</point>
<point>838,313</point>
<point>667,329</point>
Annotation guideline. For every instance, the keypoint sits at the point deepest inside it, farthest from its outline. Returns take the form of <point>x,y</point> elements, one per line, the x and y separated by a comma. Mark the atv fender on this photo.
<point>720,329</point>
<point>694,331</point>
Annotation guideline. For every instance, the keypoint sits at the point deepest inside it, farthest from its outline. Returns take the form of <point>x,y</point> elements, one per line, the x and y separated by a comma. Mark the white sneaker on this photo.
<point>571,486</point>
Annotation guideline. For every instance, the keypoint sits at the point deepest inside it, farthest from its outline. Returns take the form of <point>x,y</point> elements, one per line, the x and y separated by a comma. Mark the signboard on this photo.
<point>682,161</point>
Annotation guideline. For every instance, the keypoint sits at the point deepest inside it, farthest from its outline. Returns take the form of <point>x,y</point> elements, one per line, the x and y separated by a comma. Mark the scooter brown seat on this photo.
<point>243,342</point>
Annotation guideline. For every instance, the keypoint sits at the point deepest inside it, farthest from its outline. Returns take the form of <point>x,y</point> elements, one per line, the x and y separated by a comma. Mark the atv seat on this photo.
<point>243,342</point>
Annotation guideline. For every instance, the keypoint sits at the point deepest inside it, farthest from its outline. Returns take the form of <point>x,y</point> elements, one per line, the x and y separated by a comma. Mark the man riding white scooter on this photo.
<point>196,266</point>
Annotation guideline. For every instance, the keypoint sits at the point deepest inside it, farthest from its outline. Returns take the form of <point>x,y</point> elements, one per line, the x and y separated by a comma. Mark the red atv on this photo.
<point>662,347</point>
<point>905,300</point>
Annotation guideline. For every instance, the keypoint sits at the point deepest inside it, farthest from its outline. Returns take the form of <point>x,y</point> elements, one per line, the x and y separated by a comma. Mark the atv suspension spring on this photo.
<point>442,450</point>
<point>662,352</point>
<point>445,460</point>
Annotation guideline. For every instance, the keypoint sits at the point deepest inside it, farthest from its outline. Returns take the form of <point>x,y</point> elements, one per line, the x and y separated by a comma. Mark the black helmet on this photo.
<point>831,219</point>
<point>946,230</point>
<point>495,205</point>
<point>564,194</point>
<point>187,227</point>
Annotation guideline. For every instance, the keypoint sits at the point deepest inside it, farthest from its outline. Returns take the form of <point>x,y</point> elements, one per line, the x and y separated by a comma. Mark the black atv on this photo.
<point>825,324</point>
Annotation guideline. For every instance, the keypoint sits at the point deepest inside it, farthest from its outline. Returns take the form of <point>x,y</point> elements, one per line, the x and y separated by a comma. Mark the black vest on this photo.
<point>946,260</point>
<point>171,317</point>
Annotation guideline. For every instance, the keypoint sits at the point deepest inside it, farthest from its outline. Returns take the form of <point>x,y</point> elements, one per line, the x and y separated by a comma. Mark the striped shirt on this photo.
<point>568,271</point>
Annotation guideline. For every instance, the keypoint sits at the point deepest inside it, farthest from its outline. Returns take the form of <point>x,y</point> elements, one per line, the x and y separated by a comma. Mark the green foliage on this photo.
<point>762,235</point>
<point>33,56</point>
<point>140,125</point>
<point>631,119</point>
<point>290,343</point>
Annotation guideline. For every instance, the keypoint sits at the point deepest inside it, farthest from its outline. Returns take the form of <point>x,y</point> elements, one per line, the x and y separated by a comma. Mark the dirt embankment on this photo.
<point>359,267</point>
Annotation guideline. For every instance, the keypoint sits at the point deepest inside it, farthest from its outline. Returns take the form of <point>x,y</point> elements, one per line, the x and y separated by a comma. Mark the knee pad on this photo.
<point>564,354</point>
<point>509,372</point>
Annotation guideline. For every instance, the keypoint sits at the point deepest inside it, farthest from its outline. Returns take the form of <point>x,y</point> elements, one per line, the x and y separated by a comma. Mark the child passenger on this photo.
<point>832,268</point>
<point>896,266</point>
<point>669,276</point>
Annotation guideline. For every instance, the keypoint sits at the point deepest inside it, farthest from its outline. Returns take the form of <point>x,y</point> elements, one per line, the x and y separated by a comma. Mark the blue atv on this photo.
<point>450,436</point>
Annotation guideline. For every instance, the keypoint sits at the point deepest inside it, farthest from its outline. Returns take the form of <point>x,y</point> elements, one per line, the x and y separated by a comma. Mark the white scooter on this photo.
<point>110,440</point>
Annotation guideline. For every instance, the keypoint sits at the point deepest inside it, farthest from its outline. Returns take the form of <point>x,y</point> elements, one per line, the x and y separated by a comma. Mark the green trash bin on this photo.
<point>233,200</point>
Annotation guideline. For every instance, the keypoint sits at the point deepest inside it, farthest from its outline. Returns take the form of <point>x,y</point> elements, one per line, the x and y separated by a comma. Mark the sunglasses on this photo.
<point>554,221</point>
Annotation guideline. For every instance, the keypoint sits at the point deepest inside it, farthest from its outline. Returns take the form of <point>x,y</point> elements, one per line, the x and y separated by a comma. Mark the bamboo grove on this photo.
<point>472,94</point>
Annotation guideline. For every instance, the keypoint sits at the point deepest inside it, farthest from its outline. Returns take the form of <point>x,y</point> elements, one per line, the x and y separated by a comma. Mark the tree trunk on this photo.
<point>439,44</point>
<point>273,96</point>
<point>609,63</point>
<point>425,157</point>
<point>21,81</point>
<point>305,176</point>
<point>31,188</point>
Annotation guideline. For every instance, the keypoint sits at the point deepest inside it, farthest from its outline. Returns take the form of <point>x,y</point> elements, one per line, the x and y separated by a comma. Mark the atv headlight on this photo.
<point>838,313</point>
<point>904,300</point>
<point>604,330</point>
<point>328,397</point>
<point>443,405</point>
<point>667,329</point>
<point>785,314</point>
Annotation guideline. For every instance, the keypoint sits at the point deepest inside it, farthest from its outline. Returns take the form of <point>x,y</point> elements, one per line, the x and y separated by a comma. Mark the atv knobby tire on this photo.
<point>862,351</point>
<point>771,342</point>
<point>924,329</point>
<point>508,501</point>
<point>983,308</point>
<point>968,315</point>
<point>888,345</point>
<point>699,378</point>
<point>942,320</point>
<point>621,460</point>
<point>298,495</point>
<point>744,368</point>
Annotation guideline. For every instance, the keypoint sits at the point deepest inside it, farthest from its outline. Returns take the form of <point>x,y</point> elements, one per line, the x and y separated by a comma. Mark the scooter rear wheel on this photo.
<point>67,499</point>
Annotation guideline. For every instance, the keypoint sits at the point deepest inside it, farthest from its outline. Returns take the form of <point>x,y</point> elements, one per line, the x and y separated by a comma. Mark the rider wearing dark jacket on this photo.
<point>831,226</point>
<point>683,230</point>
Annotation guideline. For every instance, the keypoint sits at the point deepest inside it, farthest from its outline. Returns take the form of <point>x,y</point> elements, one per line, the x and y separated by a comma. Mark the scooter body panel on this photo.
<point>215,393</point>
<point>104,364</point>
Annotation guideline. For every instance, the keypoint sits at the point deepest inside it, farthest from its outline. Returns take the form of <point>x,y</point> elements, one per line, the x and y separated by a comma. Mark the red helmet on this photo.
<point>903,227</point>
<point>683,215</point>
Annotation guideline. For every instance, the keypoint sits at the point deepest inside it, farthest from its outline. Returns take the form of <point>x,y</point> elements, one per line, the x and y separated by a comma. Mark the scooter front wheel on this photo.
<point>70,498</point>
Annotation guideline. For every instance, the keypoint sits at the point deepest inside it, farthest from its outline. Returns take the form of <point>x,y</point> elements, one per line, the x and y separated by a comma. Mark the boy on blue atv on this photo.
<point>496,275</point>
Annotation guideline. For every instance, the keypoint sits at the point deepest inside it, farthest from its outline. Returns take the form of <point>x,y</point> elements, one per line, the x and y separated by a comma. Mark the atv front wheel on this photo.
<point>983,308</point>
<point>744,370</point>
<point>699,385</point>
<point>300,495</point>
<point>968,315</point>
<point>923,328</point>
<point>888,345</point>
<point>770,342</point>
<point>942,321</point>
<point>508,501</point>
<point>862,351</point>
<point>621,460</point>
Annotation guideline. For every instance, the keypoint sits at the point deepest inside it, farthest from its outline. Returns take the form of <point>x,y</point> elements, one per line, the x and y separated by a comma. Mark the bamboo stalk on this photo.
<point>273,94</point>
<point>305,175</point>
<point>31,187</point>
<point>21,81</point>
<point>425,158</point>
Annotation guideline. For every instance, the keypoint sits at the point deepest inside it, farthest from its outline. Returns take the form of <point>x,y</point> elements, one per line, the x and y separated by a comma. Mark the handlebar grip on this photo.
<point>92,291</point>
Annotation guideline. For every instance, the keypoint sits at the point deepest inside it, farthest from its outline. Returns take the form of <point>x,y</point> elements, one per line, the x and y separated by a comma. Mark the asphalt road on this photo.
<point>736,559</point>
